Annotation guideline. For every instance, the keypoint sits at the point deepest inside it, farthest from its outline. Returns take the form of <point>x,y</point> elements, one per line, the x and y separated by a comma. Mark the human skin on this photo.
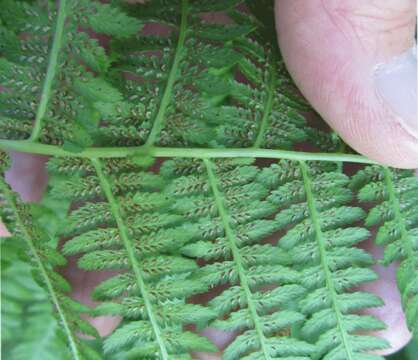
<point>331,48</point>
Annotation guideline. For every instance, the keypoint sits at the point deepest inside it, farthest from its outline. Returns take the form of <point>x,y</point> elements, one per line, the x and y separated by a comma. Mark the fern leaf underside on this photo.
<point>275,242</point>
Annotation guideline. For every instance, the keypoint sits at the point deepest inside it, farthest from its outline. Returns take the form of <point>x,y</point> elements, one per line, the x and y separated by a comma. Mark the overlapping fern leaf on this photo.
<point>395,213</point>
<point>41,259</point>
<point>44,57</point>
<point>28,323</point>
<point>124,223</point>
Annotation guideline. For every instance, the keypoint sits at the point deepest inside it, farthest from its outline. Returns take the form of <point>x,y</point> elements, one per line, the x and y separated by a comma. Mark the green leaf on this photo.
<point>96,90</point>
<point>112,21</point>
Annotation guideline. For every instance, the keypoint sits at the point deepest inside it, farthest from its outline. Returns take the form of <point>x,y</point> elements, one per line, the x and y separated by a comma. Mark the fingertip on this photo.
<point>332,53</point>
<point>219,338</point>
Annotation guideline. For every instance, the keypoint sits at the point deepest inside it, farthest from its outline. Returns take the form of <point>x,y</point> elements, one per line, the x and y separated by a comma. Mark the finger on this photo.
<point>351,60</point>
<point>82,284</point>
<point>220,338</point>
<point>28,176</point>
<point>207,356</point>
<point>3,230</point>
<point>396,332</point>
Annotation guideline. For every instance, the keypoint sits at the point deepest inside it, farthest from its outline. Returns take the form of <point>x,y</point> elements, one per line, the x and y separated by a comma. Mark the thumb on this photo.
<point>353,60</point>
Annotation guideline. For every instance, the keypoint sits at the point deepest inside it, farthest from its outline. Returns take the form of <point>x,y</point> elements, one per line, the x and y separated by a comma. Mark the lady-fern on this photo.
<point>275,240</point>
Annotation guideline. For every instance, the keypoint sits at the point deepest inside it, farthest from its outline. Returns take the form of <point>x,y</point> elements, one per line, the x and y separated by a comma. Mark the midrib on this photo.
<point>130,250</point>
<point>188,152</point>
<point>50,72</point>
<point>268,106</point>
<point>236,256</point>
<point>324,260</point>
<point>167,95</point>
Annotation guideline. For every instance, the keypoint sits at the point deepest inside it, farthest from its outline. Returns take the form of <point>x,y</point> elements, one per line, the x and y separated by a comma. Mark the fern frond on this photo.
<point>395,212</point>
<point>229,237</point>
<point>44,71</point>
<point>178,88</point>
<point>43,259</point>
<point>320,244</point>
<point>210,97</point>
<point>28,323</point>
<point>141,237</point>
<point>188,94</point>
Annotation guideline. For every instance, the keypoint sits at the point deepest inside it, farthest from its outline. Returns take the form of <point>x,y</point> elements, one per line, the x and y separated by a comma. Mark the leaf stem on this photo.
<point>267,107</point>
<point>44,274</point>
<point>114,208</point>
<point>165,101</point>
<point>229,233</point>
<point>204,153</point>
<point>324,259</point>
<point>50,73</point>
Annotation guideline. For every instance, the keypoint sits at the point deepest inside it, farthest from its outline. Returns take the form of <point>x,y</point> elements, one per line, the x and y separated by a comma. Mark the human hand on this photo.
<point>354,61</point>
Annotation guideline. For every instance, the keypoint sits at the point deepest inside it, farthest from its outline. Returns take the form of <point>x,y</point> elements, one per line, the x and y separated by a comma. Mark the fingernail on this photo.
<point>396,84</point>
